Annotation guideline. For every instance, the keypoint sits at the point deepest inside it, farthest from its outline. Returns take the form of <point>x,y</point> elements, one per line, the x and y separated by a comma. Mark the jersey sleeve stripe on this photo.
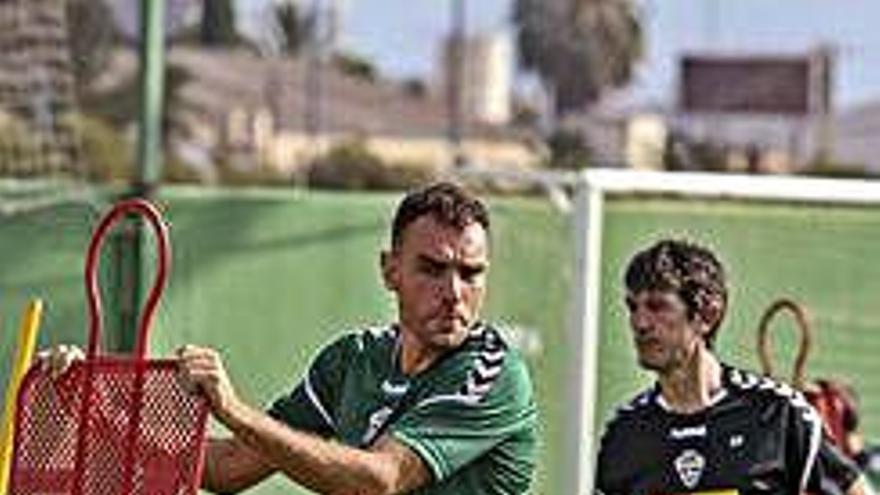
<point>316,402</point>
<point>746,381</point>
<point>486,368</point>
<point>460,398</point>
<point>812,418</point>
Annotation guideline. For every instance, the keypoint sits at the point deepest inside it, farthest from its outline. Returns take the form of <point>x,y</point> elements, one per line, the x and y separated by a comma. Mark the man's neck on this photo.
<point>415,356</point>
<point>691,387</point>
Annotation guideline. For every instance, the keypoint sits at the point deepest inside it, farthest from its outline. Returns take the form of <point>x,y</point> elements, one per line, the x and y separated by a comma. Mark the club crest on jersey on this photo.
<point>689,465</point>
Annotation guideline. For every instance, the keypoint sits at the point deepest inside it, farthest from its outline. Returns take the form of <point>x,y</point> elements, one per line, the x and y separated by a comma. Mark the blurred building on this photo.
<point>485,76</point>
<point>283,113</point>
<point>646,138</point>
<point>179,14</point>
<point>746,112</point>
<point>37,88</point>
<point>854,136</point>
<point>760,112</point>
<point>620,132</point>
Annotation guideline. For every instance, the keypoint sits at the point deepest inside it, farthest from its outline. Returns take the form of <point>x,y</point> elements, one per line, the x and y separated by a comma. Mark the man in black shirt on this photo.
<point>706,426</point>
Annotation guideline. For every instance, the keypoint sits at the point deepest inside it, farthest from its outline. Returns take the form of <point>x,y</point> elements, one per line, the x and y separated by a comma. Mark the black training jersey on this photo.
<point>758,436</point>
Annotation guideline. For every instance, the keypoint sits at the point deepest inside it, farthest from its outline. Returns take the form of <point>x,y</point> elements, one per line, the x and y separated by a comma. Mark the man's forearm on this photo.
<point>324,466</point>
<point>231,466</point>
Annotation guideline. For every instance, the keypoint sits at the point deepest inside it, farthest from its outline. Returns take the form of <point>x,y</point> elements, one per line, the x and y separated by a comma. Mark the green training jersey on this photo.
<point>471,416</point>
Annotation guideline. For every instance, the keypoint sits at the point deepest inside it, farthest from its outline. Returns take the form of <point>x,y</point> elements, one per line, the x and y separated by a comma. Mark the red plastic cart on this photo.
<point>111,425</point>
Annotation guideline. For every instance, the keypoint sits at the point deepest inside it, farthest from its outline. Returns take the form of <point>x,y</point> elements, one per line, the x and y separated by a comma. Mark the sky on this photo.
<point>402,36</point>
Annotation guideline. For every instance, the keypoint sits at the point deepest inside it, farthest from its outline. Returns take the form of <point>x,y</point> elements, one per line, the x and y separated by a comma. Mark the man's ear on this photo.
<point>389,261</point>
<point>711,314</point>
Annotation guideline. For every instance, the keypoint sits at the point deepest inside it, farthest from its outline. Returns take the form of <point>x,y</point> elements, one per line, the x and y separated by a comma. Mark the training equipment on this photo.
<point>834,400</point>
<point>27,342</point>
<point>111,424</point>
<point>765,349</point>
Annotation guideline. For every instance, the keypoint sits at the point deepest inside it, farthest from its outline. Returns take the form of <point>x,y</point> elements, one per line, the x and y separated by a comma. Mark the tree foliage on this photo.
<point>352,165</point>
<point>568,150</point>
<point>356,66</point>
<point>92,35</point>
<point>578,47</point>
<point>291,29</point>
<point>218,24</point>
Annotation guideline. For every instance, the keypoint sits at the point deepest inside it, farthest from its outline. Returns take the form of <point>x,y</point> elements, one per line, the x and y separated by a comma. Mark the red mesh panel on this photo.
<point>128,443</point>
<point>110,425</point>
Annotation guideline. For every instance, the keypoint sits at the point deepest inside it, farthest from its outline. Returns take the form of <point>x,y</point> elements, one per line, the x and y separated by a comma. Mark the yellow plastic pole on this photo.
<point>27,341</point>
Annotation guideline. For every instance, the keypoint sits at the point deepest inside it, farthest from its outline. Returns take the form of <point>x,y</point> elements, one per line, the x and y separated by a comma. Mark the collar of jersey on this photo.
<point>400,379</point>
<point>718,396</point>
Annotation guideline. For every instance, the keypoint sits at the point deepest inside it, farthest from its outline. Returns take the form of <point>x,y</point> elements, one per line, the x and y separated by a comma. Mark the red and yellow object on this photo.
<point>27,341</point>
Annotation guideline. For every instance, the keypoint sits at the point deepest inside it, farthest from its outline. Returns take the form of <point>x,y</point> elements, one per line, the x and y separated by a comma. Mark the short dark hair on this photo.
<point>448,203</point>
<point>691,271</point>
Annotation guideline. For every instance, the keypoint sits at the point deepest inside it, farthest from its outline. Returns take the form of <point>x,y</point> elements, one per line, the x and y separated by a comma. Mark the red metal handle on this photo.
<point>146,209</point>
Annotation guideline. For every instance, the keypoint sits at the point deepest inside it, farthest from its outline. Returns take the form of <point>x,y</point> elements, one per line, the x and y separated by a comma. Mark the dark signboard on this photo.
<point>787,85</point>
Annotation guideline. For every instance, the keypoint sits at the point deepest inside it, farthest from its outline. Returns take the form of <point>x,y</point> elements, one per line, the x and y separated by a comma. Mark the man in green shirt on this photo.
<point>434,404</point>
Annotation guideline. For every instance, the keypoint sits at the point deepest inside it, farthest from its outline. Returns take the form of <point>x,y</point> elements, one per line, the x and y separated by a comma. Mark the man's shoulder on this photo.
<point>632,412</point>
<point>352,345</point>
<point>762,391</point>
<point>484,368</point>
<point>490,356</point>
<point>365,339</point>
<point>634,426</point>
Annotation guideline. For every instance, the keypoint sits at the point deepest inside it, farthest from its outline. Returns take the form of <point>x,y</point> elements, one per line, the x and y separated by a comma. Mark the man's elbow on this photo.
<point>229,482</point>
<point>221,487</point>
<point>376,479</point>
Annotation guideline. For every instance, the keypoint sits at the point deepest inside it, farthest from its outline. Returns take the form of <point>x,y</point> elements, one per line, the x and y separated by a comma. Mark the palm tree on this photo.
<point>93,34</point>
<point>290,27</point>
<point>579,48</point>
<point>218,24</point>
